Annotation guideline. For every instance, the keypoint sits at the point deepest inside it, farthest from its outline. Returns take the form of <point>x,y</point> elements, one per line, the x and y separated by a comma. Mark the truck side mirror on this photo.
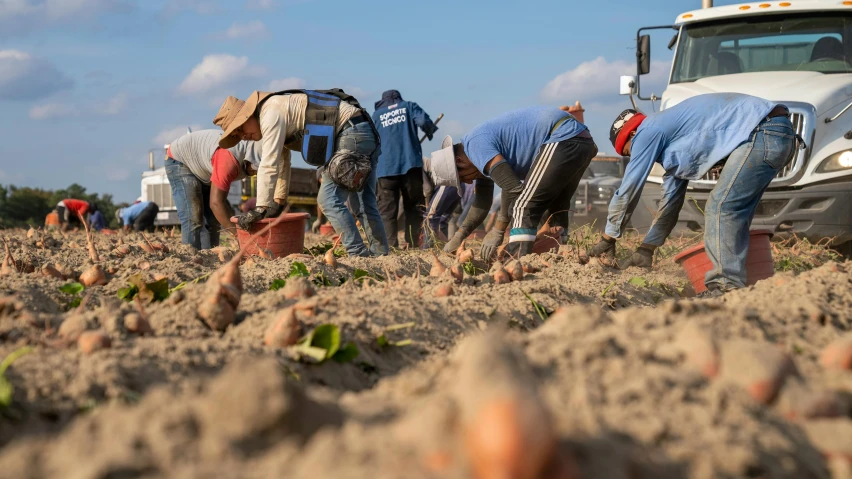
<point>673,41</point>
<point>643,54</point>
<point>627,85</point>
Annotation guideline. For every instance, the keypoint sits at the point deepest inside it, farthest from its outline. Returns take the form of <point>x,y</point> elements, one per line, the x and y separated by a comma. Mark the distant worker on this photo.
<point>70,211</point>
<point>445,212</point>
<point>96,218</point>
<point>332,131</point>
<point>546,147</point>
<point>51,221</point>
<point>200,174</point>
<point>400,170</point>
<point>140,216</point>
<point>750,138</point>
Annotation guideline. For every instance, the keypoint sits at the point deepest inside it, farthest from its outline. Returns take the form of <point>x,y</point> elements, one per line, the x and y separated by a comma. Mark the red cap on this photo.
<point>629,127</point>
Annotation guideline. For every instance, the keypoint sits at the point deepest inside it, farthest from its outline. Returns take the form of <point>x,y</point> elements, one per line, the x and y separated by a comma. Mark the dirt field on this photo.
<point>575,371</point>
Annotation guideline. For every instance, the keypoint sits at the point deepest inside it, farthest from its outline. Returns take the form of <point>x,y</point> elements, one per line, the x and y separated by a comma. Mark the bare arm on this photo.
<point>222,209</point>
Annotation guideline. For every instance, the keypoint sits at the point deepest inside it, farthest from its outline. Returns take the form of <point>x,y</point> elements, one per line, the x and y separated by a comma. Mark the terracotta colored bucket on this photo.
<point>759,264</point>
<point>287,237</point>
<point>326,229</point>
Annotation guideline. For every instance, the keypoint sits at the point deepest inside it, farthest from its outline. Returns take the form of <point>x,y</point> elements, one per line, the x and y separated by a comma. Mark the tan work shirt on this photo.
<point>282,123</point>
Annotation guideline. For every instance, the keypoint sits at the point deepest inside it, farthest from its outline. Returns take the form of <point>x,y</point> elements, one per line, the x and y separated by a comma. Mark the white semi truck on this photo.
<point>796,52</point>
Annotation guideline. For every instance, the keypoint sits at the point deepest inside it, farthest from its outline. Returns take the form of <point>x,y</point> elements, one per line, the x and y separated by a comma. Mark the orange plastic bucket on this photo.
<point>326,230</point>
<point>759,264</point>
<point>287,237</point>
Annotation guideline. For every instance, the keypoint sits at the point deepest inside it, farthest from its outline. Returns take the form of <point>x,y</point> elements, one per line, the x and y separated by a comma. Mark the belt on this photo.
<point>355,120</point>
<point>779,110</point>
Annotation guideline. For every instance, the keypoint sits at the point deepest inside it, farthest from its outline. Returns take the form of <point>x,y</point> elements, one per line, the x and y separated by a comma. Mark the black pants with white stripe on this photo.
<point>550,184</point>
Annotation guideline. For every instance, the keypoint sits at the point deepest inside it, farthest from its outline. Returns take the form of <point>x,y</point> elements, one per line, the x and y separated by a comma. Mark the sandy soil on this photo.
<point>626,378</point>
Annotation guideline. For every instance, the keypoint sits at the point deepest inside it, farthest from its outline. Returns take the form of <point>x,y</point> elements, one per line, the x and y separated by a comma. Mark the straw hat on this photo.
<point>442,166</point>
<point>234,113</point>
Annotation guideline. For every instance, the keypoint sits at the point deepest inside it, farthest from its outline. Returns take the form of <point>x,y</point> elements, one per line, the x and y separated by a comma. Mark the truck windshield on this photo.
<point>816,42</point>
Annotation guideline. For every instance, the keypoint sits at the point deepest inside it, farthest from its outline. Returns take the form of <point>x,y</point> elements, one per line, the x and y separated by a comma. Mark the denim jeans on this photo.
<point>192,199</point>
<point>332,198</point>
<point>732,203</point>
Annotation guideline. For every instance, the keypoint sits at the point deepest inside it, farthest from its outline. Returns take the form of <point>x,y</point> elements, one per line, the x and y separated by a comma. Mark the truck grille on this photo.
<point>788,171</point>
<point>160,194</point>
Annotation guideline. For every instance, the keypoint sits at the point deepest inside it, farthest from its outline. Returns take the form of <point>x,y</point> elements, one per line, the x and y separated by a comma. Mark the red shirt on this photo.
<point>225,169</point>
<point>76,206</point>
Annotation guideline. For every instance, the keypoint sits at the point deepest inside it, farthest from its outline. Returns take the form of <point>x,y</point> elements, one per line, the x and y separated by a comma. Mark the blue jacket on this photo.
<point>397,121</point>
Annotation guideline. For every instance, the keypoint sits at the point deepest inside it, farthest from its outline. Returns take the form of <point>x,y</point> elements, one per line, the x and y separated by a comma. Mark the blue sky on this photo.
<point>87,87</point>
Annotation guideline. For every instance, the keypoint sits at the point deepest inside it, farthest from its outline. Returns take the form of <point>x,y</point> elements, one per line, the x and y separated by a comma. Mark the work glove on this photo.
<point>246,221</point>
<point>491,242</point>
<point>455,242</point>
<point>315,227</point>
<point>519,249</point>
<point>605,247</point>
<point>643,257</point>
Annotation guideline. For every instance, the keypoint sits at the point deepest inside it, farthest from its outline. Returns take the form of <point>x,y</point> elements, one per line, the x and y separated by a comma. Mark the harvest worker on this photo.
<point>400,169</point>
<point>545,146</point>
<point>140,216</point>
<point>96,219</point>
<point>751,138</point>
<point>200,174</point>
<point>70,211</point>
<point>332,131</point>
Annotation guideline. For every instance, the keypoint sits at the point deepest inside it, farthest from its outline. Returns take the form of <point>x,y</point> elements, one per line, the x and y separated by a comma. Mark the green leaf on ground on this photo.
<point>321,279</point>
<point>159,288</point>
<point>75,302</point>
<point>543,314</point>
<point>277,284</point>
<point>298,269</point>
<point>7,391</point>
<point>127,294</point>
<point>382,340</point>
<point>72,288</point>
<point>322,343</point>
<point>606,290</point>
<point>638,281</point>
<point>362,273</point>
<point>347,353</point>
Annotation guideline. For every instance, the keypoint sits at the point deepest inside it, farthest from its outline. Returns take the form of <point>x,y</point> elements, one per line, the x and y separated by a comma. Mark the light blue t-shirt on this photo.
<point>129,214</point>
<point>687,140</point>
<point>518,136</point>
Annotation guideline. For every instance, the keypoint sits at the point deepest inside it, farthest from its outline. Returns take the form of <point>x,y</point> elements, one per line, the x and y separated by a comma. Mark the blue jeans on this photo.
<point>192,199</point>
<point>732,203</point>
<point>332,198</point>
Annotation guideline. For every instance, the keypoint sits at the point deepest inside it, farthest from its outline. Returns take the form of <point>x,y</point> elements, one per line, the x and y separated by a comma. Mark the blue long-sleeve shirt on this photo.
<point>397,121</point>
<point>129,214</point>
<point>687,140</point>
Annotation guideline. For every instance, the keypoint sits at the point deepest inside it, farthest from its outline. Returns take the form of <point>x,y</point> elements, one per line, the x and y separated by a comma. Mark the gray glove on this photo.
<point>316,226</point>
<point>604,247</point>
<point>643,257</point>
<point>492,241</point>
<point>455,242</point>
<point>246,221</point>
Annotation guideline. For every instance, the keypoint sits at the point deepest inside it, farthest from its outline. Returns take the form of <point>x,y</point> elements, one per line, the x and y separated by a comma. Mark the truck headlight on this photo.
<point>605,192</point>
<point>842,160</point>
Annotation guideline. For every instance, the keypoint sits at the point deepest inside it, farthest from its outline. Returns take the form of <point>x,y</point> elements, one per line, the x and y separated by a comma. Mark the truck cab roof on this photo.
<point>761,8</point>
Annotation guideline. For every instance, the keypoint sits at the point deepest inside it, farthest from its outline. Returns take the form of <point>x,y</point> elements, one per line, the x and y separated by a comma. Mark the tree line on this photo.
<point>25,206</point>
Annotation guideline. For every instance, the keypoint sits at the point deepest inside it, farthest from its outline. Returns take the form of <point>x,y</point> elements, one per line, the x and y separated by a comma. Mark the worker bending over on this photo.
<point>200,175</point>
<point>546,147</point>
<point>332,131</point>
<point>749,137</point>
<point>70,211</point>
<point>140,216</point>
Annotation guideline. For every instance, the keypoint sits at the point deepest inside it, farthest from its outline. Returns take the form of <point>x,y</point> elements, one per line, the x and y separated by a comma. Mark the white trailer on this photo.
<point>796,52</point>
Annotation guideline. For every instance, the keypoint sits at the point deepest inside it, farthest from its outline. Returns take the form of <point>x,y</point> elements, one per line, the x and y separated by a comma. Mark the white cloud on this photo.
<point>24,16</point>
<point>216,71</point>
<point>250,30</point>
<point>53,111</point>
<point>171,134</point>
<point>289,83</point>
<point>113,106</point>
<point>24,77</point>
<point>50,111</point>
<point>260,4</point>
<point>598,78</point>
